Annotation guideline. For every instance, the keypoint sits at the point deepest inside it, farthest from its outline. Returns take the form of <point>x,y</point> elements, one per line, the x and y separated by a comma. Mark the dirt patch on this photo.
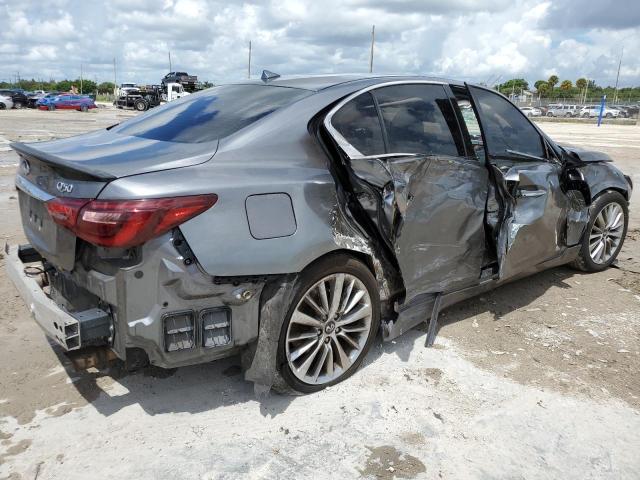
<point>387,463</point>
<point>15,449</point>
<point>413,438</point>
<point>555,330</point>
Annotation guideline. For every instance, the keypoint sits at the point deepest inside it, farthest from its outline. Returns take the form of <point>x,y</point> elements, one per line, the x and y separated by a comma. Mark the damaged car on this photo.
<point>291,220</point>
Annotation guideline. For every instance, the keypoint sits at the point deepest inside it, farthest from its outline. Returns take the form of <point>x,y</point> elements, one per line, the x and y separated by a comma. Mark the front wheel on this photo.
<point>331,324</point>
<point>51,107</point>
<point>608,115</point>
<point>605,232</point>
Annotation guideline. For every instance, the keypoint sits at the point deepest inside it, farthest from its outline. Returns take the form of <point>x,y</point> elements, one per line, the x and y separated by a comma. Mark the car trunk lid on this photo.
<point>80,167</point>
<point>107,155</point>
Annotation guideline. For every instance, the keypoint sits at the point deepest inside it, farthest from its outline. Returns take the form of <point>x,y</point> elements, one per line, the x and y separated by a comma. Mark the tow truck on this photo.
<point>144,97</point>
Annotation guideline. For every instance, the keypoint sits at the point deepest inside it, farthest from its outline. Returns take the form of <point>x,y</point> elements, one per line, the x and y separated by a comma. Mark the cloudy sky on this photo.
<point>465,39</point>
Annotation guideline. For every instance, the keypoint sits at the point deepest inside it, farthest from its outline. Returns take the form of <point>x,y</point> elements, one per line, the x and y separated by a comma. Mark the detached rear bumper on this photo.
<point>66,329</point>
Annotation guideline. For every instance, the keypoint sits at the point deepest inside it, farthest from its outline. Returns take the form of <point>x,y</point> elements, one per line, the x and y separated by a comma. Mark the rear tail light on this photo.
<point>126,223</point>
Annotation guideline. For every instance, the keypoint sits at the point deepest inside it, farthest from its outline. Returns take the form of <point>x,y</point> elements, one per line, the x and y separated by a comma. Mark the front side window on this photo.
<point>358,123</point>
<point>210,115</point>
<point>505,127</point>
<point>419,119</point>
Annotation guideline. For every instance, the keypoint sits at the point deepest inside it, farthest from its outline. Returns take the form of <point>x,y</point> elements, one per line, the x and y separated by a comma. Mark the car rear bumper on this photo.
<point>173,312</point>
<point>57,324</point>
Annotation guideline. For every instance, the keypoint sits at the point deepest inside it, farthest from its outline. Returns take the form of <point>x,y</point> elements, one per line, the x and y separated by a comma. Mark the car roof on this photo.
<point>321,82</point>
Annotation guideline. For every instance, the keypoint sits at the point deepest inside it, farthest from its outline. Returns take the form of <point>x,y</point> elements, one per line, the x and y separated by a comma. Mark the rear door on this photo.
<point>534,223</point>
<point>404,143</point>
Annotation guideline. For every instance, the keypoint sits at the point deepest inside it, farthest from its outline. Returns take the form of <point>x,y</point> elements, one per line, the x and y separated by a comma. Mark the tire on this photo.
<point>18,105</point>
<point>84,108</point>
<point>585,115</point>
<point>51,108</point>
<point>2,106</point>
<point>330,337</point>
<point>608,115</point>
<point>585,260</point>
<point>549,114</point>
<point>140,105</point>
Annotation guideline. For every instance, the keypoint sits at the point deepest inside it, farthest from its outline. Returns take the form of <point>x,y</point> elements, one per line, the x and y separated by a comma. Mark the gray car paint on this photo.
<point>280,155</point>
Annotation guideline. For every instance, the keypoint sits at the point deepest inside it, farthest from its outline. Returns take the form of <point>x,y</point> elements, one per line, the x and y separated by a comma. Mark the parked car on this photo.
<point>531,111</point>
<point>626,111</point>
<point>293,224</point>
<point>6,103</point>
<point>590,111</point>
<point>560,110</point>
<point>67,102</point>
<point>19,99</point>
<point>32,99</point>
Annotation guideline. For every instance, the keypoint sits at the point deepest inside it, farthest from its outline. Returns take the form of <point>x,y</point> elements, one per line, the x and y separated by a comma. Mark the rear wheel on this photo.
<point>18,105</point>
<point>549,114</point>
<point>84,108</point>
<point>51,107</point>
<point>140,105</point>
<point>331,324</point>
<point>608,115</point>
<point>604,236</point>
<point>2,106</point>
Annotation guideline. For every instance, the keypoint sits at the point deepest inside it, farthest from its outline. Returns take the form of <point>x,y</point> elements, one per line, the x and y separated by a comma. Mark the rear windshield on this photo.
<point>210,115</point>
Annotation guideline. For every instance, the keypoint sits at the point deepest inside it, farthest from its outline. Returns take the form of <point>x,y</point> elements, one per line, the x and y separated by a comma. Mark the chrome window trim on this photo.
<point>351,151</point>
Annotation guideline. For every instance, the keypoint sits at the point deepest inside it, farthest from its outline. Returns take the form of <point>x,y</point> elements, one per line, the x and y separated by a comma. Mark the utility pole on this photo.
<point>249,64</point>
<point>586,89</point>
<point>170,61</point>
<point>615,96</point>
<point>80,78</point>
<point>115,78</point>
<point>373,40</point>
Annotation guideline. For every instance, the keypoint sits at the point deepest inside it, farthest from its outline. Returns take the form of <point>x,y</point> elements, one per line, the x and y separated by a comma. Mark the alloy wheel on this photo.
<point>606,233</point>
<point>329,329</point>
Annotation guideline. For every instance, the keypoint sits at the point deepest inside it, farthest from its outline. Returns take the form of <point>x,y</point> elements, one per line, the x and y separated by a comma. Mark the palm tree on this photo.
<point>566,85</point>
<point>553,81</point>
<point>538,83</point>
<point>581,83</point>
<point>543,89</point>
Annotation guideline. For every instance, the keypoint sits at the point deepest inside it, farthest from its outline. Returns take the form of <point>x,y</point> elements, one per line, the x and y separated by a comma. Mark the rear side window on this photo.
<point>419,119</point>
<point>505,128</point>
<point>357,121</point>
<point>210,115</point>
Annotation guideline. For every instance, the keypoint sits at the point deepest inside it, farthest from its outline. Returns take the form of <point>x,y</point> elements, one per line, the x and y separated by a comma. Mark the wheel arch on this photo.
<point>365,258</point>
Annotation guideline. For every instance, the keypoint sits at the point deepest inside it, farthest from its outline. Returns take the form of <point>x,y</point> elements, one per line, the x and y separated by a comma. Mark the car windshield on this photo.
<point>212,114</point>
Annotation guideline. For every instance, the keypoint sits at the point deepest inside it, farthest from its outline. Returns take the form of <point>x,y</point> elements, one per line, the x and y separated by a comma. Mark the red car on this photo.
<point>67,102</point>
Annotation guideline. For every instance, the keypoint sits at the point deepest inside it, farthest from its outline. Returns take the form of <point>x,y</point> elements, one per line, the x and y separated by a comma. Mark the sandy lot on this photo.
<point>538,379</point>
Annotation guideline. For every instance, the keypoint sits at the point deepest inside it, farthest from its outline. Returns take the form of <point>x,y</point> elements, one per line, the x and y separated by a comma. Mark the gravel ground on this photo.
<point>537,379</point>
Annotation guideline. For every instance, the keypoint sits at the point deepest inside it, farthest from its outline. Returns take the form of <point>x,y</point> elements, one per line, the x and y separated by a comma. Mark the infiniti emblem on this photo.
<point>25,167</point>
<point>64,187</point>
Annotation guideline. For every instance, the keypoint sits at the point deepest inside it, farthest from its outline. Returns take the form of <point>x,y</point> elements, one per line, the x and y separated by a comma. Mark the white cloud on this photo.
<point>463,39</point>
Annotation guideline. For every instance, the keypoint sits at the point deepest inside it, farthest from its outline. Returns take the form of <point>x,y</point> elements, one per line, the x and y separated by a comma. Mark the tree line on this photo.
<point>88,86</point>
<point>579,90</point>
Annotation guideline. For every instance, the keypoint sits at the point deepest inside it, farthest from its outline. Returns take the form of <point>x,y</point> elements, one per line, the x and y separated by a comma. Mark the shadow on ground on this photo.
<point>221,383</point>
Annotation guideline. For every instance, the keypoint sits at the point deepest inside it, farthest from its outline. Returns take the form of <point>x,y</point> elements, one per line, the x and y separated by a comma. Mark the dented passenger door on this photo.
<point>412,176</point>
<point>533,228</point>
